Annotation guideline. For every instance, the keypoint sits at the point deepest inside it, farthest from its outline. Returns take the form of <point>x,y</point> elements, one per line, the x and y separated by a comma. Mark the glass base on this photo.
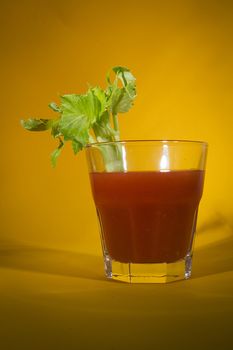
<point>148,273</point>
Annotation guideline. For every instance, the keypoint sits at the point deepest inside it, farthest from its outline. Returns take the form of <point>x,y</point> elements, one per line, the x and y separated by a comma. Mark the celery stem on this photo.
<point>115,122</point>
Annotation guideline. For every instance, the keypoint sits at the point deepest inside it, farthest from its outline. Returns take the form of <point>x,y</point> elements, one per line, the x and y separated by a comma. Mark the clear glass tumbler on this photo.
<point>147,195</point>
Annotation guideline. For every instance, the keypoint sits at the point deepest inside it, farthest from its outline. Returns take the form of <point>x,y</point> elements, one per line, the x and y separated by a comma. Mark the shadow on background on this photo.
<point>18,256</point>
<point>213,250</point>
<point>213,253</point>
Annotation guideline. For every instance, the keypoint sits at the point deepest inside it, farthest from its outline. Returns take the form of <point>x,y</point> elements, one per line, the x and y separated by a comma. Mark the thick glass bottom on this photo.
<point>148,273</point>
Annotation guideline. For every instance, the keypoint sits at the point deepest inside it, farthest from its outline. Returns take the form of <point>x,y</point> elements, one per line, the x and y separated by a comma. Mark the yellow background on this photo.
<point>52,291</point>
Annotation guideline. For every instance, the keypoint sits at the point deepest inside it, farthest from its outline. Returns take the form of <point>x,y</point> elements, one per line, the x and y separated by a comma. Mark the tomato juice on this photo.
<point>147,216</point>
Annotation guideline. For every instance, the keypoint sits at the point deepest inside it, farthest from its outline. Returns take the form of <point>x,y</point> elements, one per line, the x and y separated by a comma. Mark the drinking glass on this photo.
<point>146,195</point>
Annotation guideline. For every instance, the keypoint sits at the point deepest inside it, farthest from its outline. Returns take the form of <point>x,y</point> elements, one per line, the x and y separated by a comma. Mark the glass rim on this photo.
<point>159,141</point>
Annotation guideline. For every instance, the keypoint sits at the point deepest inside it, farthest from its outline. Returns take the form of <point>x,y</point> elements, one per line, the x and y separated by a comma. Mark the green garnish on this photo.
<point>91,117</point>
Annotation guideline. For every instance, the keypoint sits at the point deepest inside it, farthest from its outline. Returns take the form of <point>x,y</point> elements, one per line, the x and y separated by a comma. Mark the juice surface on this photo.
<point>148,217</point>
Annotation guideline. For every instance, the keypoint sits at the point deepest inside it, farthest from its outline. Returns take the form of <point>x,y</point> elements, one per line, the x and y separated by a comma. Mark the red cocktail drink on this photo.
<point>147,195</point>
<point>148,217</point>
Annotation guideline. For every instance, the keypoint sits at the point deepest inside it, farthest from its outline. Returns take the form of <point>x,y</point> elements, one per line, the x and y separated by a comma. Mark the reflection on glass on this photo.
<point>164,161</point>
